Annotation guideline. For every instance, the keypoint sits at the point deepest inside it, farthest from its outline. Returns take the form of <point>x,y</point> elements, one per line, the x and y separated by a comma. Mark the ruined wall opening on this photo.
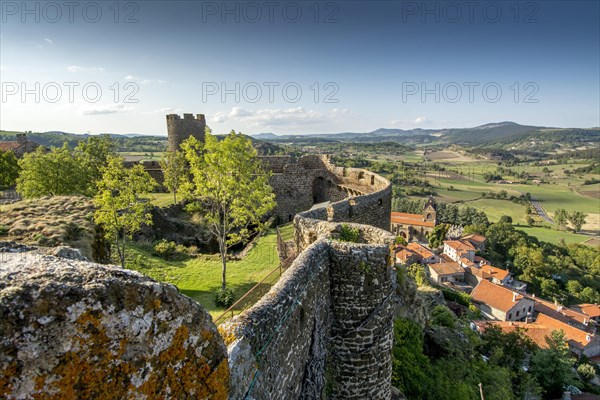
<point>319,190</point>
<point>372,179</point>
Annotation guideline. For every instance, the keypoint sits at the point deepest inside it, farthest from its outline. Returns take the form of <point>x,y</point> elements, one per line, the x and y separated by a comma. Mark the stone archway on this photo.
<point>319,190</point>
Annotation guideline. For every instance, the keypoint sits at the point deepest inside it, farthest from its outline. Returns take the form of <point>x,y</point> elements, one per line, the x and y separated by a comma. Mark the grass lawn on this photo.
<point>552,235</point>
<point>287,231</point>
<point>200,278</point>
<point>162,199</point>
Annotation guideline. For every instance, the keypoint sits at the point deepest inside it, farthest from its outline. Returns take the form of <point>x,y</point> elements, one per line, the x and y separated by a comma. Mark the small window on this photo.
<point>372,179</point>
<point>518,313</point>
<point>529,308</point>
<point>509,315</point>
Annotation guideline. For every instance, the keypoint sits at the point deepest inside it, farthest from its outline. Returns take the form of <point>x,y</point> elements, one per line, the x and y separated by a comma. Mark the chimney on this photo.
<point>21,137</point>
<point>514,297</point>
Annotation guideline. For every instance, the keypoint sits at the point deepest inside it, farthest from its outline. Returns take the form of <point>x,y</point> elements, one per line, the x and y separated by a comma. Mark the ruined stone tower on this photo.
<point>180,129</point>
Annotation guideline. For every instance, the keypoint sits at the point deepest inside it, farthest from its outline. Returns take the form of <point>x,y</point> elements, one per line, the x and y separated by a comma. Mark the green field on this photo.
<point>553,236</point>
<point>200,278</point>
<point>465,177</point>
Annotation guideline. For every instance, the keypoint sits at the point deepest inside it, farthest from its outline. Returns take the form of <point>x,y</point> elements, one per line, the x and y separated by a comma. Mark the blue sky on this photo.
<point>298,67</point>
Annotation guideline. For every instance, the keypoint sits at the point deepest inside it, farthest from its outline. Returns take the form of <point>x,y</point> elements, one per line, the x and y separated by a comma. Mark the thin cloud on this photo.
<point>142,81</point>
<point>106,109</point>
<point>48,41</point>
<point>294,118</point>
<point>78,68</point>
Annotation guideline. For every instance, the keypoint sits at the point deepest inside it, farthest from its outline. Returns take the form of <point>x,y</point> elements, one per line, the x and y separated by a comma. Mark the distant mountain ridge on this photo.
<point>495,132</point>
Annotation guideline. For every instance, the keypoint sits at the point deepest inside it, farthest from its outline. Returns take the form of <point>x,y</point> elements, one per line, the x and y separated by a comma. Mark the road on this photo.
<point>540,210</point>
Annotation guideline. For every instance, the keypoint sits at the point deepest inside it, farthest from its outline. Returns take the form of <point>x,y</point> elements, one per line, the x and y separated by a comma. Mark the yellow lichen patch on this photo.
<point>5,376</point>
<point>227,335</point>
<point>185,373</point>
<point>94,371</point>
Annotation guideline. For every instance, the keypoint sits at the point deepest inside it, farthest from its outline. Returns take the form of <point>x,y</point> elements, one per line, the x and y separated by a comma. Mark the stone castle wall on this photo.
<point>312,179</point>
<point>325,329</point>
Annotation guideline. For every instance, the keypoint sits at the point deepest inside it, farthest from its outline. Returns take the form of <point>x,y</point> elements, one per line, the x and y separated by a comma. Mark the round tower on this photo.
<point>179,129</point>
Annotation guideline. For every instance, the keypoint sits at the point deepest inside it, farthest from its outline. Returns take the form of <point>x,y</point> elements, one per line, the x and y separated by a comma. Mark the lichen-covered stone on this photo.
<point>74,329</point>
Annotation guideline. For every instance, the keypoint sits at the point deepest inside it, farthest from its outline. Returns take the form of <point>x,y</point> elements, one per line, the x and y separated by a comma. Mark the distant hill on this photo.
<point>500,134</point>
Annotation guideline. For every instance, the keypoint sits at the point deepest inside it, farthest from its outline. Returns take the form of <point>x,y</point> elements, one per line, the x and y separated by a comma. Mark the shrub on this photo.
<point>3,230</point>
<point>586,372</point>
<point>224,298</point>
<point>170,250</point>
<point>349,234</point>
<point>441,315</point>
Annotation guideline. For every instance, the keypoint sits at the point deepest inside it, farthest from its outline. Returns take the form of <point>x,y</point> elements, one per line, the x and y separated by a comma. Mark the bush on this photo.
<point>170,250</point>
<point>224,298</point>
<point>349,234</point>
<point>586,372</point>
<point>3,230</point>
<point>441,315</point>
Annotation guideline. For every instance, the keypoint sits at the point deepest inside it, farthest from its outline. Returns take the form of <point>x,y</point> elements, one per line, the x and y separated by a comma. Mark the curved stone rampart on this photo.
<point>325,329</point>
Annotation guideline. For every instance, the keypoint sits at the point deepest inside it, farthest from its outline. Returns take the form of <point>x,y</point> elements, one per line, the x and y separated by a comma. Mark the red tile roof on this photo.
<point>403,254</point>
<point>537,333</point>
<point>495,296</point>
<point>474,238</point>
<point>459,245</point>
<point>558,311</point>
<point>593,310</point>
<point>446,268</point>
<point>576,337</point>
<point>410,219</point>
<point>6,146</point>
<point>420,250</point>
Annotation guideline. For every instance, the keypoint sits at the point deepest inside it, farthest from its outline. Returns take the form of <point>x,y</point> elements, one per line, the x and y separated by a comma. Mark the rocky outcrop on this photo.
<point>75,329</point>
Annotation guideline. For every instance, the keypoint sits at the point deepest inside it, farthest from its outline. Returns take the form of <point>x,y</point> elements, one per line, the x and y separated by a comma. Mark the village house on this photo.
<point>580,342</point>
<point>445,272</point>
<point>405,256</point>
<point>415,226</point>
<point>476,240</point>
<point>591,310</point>
<point>501,303</point>
<point>426,255</point>
<point>19,147</point>
<point>460,251</point>
<point>499,276</point>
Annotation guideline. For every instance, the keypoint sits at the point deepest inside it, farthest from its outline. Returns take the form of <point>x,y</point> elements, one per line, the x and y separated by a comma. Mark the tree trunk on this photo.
<point>223,251</point>
<point>174,196</point>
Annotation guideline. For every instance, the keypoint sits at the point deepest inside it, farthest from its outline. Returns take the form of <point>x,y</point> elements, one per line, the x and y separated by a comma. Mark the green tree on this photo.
<point>507,219</point>
<point>411,369</point>
<point>121,208</point>
<point>174,170</point>
<point>9,169</point>
<point>229,181</point>
<point>437,235</point>
<point>93,155</point>
<point>549,288</point>
<point>577,219</point>
<point>589,295</point>
<point>560,217</point>
<point>552,366</point>
<point>54,173</point>
<point>530,221</point>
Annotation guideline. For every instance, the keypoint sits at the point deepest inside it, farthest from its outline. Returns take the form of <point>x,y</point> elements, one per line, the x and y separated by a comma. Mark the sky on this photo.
<point>298,67</point>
